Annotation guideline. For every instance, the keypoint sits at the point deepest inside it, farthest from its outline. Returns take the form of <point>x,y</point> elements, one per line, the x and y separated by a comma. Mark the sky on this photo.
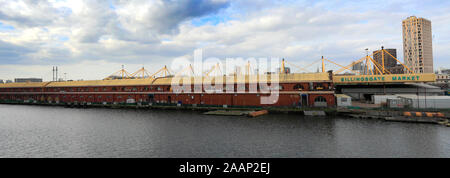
<point>90,39</point>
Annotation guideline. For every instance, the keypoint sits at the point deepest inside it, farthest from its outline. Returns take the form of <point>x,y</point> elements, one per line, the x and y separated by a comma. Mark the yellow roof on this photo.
<point>283,78</point>
<point>22,85</point>
<point>117,82</point>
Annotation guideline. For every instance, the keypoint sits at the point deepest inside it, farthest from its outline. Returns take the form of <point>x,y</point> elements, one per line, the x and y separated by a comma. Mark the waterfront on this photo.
<point>41,131</point>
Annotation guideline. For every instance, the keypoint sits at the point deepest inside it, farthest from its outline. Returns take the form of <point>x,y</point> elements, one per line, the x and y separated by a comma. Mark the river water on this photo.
<point>41,131</point>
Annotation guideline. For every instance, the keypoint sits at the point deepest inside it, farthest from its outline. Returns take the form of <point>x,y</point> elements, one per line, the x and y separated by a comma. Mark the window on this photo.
<point>229,87</point>
<point>320,99</point>
<point>298,87</point>
<point>243,88</point>
<point>277,87</point>
<point>319,86</point>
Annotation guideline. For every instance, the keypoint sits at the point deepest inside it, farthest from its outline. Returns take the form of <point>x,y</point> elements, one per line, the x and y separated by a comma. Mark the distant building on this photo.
<point>1,81</point>
<point>397,69</point>
<point>417,45</point>
<point>287,70</point>
<point>442,78</point>
<point>358,67</point>
<point>390,62</point>
<point>24,80</point>
<point>445,71</point>
<point>8,81</point>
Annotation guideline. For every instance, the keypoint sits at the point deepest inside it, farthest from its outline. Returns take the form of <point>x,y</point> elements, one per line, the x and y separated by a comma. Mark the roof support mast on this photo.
<point>323,65</point>
<point>382,59</point>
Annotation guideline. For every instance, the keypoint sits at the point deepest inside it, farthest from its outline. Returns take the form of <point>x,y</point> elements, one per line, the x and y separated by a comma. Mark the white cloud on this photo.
<point>73,33</point>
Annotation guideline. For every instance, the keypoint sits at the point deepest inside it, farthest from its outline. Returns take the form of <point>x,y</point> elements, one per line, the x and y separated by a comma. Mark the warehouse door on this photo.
<point>304,100</point>
<point>151,98</point>
<point>368,97</point>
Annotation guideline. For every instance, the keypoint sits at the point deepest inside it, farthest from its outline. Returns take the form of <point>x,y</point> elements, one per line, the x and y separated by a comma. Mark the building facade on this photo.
<point>390,62</point>
<point>358,67</point>
<point>397,69</point>
<point>442,78</point>
<point>24,80</point>
<point>417,45</point>
<point>293,90</point>
<point>446,71</point>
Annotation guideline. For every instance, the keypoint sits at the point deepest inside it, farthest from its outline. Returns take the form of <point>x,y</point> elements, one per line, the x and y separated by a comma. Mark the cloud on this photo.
<point>147,22</point>
<point>167,15</point>
<point>29,13</point>
<point>11,54</point>
<point>70,33</point>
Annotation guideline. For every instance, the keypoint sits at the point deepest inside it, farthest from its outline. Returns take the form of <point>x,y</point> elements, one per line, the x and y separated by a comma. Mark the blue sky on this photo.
<point>5,27</point>
<point>91,39</point>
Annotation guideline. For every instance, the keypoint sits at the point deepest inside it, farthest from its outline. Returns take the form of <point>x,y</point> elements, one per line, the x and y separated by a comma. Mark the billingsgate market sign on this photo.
<point>385,78</point>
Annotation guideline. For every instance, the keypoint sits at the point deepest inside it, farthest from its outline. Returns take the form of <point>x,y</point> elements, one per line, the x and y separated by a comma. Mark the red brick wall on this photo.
<point>329,97</point>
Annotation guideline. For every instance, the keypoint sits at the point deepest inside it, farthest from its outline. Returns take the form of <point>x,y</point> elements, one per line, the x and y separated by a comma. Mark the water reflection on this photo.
<point>37,131</point>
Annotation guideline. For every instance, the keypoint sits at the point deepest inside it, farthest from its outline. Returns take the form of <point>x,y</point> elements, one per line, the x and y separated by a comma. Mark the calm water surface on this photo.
<point>38,131</point>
